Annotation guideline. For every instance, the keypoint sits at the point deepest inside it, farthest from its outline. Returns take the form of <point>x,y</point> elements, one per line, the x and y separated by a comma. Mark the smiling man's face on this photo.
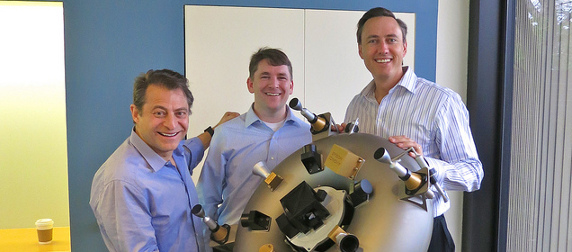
<point>382,48</point>
<point>164,120</point>
<point>271,86</point>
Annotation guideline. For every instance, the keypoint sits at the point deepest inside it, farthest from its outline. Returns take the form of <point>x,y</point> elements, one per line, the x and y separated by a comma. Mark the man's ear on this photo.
<point>250,85</point>
<point>134,113</point>
<point>359,51</point>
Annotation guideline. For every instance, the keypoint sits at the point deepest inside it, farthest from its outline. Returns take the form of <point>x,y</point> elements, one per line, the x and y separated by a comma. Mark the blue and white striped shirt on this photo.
<point>433,116</point>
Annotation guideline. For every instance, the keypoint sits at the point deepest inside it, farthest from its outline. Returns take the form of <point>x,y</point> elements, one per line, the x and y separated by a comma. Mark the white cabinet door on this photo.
<point>321,44</point>
<point>335,73</point>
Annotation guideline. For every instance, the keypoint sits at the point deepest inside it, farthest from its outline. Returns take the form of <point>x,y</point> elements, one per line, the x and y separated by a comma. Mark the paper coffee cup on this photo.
<point>45,229</point>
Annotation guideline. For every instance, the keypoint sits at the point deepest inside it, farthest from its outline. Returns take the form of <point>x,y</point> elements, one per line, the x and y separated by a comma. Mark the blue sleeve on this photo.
<point>197,151</point>
<point>212,178</point>
<point>124,219</point>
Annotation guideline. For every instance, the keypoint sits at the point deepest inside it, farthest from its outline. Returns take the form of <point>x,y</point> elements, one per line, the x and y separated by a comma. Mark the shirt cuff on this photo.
<point>439,168</point>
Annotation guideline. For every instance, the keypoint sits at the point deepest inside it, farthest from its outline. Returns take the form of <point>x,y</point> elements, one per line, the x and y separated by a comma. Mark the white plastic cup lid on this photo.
<point>45,223</point>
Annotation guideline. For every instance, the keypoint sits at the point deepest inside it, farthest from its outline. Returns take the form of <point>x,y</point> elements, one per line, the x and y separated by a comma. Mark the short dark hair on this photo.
<point>164,78</point>
<point>275,57</point>
<point>379,12</point>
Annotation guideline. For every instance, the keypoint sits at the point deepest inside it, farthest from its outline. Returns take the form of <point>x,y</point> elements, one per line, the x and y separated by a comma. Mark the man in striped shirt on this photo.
<point>414,112</point>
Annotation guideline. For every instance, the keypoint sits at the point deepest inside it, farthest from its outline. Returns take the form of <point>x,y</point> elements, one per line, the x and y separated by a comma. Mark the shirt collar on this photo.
<point>252,118</point>
<point>408,81</point>
<point>153,159</point>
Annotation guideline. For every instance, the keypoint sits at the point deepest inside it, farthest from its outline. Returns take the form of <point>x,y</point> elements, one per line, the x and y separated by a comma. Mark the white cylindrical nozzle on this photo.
<point>200,212</point>
<point>261,170</point>
<point>346,242</point>
<point>399,169</point>
<point>412,180</point>
<point>382,155</point>
<point>296,105</point>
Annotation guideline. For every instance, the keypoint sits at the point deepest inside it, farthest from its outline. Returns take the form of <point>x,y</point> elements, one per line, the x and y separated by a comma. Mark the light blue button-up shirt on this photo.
<point>433,116</point>
<point>237,145</point>
<point>143,203</point>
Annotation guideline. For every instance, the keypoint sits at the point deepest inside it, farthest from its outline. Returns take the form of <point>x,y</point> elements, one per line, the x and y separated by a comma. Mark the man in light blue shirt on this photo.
<point>414,112</point>
<point>143,194</point>
<point>268,132</point>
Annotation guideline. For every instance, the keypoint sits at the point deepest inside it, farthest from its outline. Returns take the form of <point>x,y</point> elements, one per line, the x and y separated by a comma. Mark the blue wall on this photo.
<point>108,43</point>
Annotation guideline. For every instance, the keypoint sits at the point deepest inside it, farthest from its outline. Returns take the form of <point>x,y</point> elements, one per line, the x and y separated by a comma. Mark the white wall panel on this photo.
<point>218,44</point>
<point>335,73</point>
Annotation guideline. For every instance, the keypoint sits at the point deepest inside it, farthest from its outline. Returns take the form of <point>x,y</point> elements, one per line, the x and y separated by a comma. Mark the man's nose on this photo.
<point>384,47</point>
<point>170,121</point>
<point>274,82</point>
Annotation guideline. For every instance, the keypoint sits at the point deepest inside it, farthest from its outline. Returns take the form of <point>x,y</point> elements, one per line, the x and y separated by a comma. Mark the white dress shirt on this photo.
<point>433,116</point>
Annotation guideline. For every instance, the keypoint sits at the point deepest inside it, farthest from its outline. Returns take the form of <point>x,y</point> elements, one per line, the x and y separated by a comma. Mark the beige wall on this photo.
<point>452,64</point>
<point>33,145</point>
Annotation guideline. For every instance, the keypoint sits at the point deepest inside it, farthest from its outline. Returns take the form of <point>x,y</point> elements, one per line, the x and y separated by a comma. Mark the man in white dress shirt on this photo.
<point>414,112</point>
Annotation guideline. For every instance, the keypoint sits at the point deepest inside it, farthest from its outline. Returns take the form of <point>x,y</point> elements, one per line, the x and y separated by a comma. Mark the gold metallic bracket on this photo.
<point>323,127</point>
<point>273,181</point>
<point>419,197</point>
<point>344,162</point>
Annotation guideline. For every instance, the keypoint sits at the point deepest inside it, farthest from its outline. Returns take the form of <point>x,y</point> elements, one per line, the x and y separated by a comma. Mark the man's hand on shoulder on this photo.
<point>227,116</point>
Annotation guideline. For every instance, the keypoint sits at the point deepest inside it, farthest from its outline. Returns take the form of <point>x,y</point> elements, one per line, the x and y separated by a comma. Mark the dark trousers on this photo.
<point>441,240</point>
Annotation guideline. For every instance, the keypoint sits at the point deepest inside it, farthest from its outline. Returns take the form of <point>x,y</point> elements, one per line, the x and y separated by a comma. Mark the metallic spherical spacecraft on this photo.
<point>345,191</point>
